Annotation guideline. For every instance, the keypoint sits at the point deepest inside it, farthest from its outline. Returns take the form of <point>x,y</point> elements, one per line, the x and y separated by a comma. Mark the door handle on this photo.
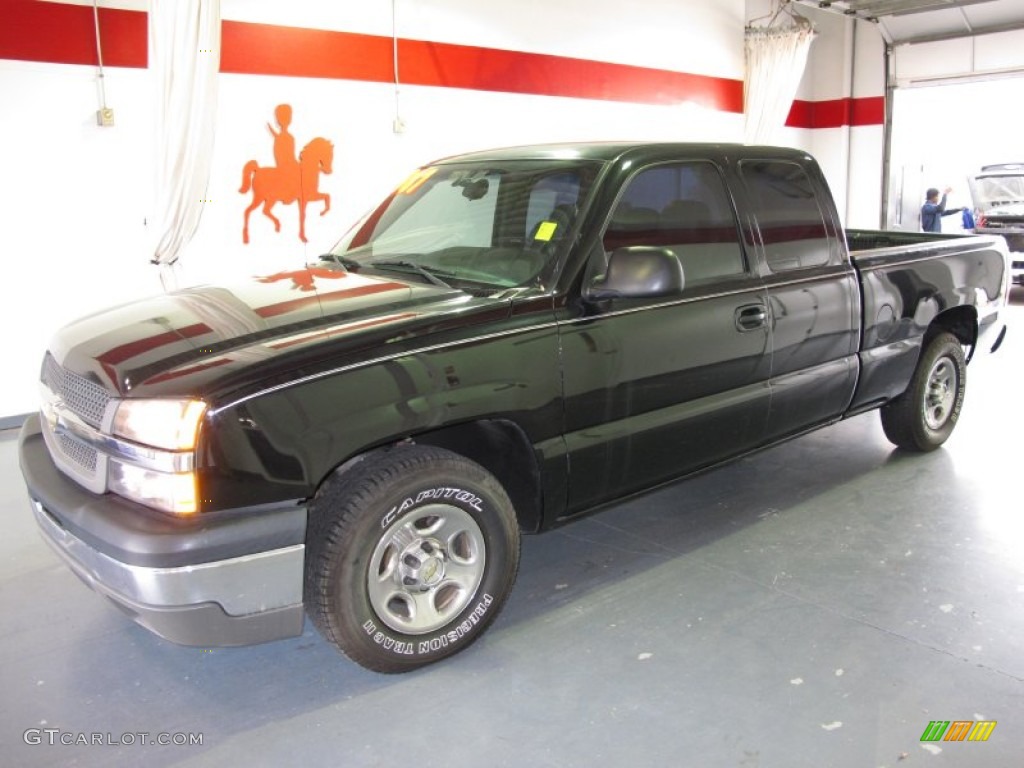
<point>750,317</point>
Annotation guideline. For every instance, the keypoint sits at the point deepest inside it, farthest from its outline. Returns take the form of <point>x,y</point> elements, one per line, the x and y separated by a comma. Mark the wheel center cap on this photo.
<point>432,571</point>
<point>422,565</point>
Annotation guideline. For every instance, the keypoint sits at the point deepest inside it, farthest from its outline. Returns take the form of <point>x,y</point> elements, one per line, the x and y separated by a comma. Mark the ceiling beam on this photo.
<point>976,32</point>
<point>873,10</point>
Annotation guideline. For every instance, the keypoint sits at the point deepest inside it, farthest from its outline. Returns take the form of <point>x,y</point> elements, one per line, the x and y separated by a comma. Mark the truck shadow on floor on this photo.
<point>817,480</point>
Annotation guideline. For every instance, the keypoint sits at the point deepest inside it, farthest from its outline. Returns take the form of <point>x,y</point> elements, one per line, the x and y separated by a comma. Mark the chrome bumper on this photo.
<point>240,601</point>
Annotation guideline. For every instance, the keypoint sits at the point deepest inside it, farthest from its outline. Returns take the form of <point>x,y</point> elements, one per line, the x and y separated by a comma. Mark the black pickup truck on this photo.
<point>510,340</point>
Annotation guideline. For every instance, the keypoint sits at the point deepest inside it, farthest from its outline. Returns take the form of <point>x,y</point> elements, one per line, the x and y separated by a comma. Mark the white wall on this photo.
<point>75,200</point>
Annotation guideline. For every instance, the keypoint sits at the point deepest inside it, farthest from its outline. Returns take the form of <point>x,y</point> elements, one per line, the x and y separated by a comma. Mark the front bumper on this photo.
<point>218,580</point>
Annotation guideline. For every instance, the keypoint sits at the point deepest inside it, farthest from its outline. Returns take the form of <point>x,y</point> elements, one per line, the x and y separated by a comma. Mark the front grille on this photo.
<point>84,398</point>
<point>79,453</point>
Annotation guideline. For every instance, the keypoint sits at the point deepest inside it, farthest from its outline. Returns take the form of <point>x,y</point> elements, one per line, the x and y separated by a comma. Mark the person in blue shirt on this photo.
<point>934,209</point>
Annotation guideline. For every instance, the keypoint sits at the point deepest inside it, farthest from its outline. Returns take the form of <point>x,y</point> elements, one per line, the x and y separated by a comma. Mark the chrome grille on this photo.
<point>79,453</point>
<point>84,398</point>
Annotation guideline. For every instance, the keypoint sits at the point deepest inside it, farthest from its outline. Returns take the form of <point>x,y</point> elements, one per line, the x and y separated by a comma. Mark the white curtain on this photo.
<point>776,57</point>
<point>184,58</point>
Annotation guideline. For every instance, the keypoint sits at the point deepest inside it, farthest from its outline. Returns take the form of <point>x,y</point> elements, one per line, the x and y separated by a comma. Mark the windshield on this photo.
<point>995,191</point>
<point>491,225</point>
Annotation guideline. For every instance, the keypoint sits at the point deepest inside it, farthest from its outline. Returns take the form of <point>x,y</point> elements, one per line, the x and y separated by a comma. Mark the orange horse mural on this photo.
<point>289,180</point>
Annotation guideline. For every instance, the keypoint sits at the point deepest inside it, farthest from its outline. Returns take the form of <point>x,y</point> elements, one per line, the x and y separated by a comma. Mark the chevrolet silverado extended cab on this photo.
<point>510,340</point>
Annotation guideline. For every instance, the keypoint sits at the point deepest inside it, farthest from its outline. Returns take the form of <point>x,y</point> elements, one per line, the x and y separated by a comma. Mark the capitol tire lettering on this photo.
<point>410,556</point>
<point>433,493</point>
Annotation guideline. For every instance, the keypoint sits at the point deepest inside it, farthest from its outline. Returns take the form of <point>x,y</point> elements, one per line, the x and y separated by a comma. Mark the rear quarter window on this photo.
<point>789,216</point>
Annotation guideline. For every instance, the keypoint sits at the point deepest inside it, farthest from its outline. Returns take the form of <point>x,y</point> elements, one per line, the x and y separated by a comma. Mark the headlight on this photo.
<point>169,491</point>
<point>169,428</point>
<point>170,424</point>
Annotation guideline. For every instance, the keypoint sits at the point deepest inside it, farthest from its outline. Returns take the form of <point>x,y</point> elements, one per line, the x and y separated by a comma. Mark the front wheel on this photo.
<point>410,555</point>
<point>923,417</point>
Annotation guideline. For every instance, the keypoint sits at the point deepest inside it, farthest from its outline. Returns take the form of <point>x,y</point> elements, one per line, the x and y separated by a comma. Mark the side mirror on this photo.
<point>639,271</point>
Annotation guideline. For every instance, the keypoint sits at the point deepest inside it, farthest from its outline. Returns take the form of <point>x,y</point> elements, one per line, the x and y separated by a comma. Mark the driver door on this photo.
<point>659,387</point>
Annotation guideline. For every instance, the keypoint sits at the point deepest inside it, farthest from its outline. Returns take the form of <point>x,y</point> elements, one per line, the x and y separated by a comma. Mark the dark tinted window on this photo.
<point>683,207</point>
<point>787,212</point>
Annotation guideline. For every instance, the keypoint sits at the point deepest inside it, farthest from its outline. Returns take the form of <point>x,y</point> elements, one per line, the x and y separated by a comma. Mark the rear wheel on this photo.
<point>923,417</point>
<point>410,555</point>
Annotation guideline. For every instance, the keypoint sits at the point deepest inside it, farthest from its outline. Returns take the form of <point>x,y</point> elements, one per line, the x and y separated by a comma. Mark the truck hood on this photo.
<point>176,343</point>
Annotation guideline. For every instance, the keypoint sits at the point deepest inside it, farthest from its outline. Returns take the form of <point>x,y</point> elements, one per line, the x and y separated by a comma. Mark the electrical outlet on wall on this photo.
<point>105,117</point>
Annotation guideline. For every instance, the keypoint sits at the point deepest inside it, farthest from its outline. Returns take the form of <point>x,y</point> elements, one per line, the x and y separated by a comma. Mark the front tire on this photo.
<point>923,417</point>
<point>410,555</point>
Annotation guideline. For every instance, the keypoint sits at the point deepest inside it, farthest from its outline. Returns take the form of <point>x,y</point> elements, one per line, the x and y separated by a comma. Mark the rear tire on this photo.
<point>923,417</point>
<point>410,555</point>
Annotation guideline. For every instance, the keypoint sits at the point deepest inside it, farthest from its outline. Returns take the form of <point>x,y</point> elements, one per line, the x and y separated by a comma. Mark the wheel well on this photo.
<point>502,449</point>
<point>962,322</point>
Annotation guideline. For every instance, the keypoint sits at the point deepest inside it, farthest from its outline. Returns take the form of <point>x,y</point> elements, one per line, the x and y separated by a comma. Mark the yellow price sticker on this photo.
<point>416,180</point>
<point>546,231</point>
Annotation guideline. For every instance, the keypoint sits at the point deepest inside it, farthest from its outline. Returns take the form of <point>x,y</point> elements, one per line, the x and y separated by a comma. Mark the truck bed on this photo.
<point>907,279</point>
<point>871,249</point>
<point>858,240</point>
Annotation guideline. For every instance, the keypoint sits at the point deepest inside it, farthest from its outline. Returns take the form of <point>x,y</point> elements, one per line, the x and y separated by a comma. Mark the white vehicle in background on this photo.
<point>998,193</point>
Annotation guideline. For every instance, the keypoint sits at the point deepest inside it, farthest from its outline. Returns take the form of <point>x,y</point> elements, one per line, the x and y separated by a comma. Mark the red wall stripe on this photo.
<point>271,50</point>
<point>264,49</point>
<point>63,34</point>
<point>868,110</point>
<point>836,113</point>
<point>490,69</point>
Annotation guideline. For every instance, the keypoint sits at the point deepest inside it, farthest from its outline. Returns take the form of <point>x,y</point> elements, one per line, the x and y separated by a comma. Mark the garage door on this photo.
<point>955,95</point>
<point>955,86</point>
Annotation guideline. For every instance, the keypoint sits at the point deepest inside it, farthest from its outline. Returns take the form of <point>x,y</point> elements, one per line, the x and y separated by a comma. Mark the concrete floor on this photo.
<point>815,605</point>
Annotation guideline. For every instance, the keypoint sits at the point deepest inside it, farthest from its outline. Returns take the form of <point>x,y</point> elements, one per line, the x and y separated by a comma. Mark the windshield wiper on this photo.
<point>430,275</point>
<point>350,265</point>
